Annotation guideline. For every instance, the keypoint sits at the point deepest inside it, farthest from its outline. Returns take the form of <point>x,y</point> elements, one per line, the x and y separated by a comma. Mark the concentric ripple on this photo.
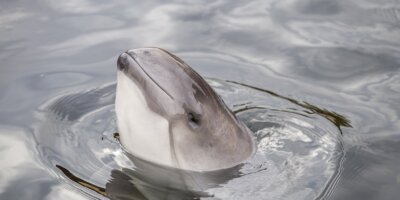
<point>299,148</point>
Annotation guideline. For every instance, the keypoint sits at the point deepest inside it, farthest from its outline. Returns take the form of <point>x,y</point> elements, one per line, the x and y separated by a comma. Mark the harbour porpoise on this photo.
<point>169,115</point>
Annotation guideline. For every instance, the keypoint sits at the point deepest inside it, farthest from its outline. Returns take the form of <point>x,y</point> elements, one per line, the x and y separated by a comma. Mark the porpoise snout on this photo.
<point>127,58</point>
<point>123,61</point>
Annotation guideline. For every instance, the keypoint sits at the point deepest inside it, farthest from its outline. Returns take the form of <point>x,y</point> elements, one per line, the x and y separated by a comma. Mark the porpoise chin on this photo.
<point>168,114</point>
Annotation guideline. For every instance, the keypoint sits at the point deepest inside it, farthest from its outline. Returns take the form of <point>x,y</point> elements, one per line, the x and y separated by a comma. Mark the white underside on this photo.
<point>142,132</point>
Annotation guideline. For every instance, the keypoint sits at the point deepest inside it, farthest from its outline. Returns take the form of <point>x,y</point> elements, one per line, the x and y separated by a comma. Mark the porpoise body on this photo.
<point>168,114</point>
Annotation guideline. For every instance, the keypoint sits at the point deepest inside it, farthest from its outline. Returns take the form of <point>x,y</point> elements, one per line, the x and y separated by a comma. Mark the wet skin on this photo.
<point>169,115</point>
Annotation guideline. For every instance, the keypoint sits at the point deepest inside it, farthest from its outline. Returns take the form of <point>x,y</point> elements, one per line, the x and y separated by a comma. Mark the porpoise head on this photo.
<point>169,115</point>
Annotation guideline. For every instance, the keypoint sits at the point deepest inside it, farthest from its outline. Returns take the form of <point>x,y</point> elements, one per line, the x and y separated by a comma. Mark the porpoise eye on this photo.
<point>193,119</point>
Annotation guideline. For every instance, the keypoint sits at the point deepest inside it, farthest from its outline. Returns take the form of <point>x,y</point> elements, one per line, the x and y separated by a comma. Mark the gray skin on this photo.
<point>203,134</point>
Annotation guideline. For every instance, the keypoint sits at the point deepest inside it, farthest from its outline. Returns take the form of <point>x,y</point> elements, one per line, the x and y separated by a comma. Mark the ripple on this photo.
<point>299,149</point>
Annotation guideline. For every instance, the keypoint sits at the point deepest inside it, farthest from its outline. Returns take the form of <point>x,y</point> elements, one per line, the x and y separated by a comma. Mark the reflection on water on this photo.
<point>300,73</point>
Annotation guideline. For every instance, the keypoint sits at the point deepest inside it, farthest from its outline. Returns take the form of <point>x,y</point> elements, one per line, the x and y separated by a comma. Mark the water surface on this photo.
<point>317,82</point>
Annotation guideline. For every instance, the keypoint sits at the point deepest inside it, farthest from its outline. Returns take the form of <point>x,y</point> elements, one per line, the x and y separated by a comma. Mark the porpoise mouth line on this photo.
<point>172,148</point>
<point>148,75</point>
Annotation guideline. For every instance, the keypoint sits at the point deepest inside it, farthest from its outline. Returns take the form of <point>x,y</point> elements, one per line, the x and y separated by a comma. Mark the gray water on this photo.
<point>317,81</point>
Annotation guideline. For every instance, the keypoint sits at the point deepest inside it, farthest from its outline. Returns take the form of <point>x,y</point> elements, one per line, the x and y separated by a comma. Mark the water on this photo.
<point>317,81</point>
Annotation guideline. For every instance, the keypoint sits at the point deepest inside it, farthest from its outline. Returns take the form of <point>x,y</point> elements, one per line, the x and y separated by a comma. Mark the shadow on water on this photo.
<point>151,181</point>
